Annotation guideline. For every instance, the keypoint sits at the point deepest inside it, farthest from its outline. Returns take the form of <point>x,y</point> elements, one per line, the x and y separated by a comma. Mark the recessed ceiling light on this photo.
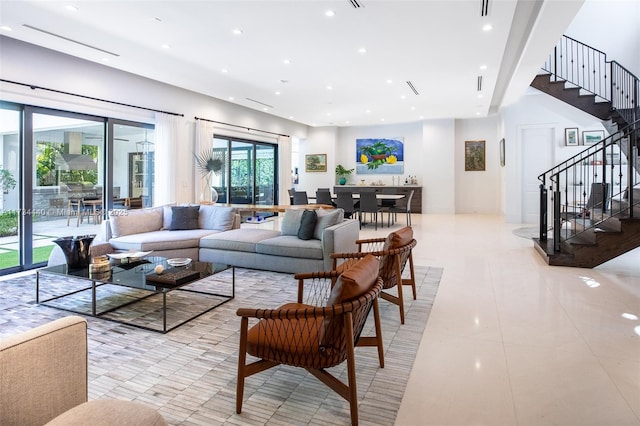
<point>224,70</point>
<point>166,46</point>
<point>291,117</point>
<point>487,27</point>
<point>347,122</point>
<point>329,87</point>
<point>237,31</point>
<point>483,67</point>
<point>362,50</point>
<point>277,93</point>
<point>287,62</point>
<point>480,96</point>
<point>330,13</point>
<point>478,113</point>
<point>403,97</point>
<point>105,59</point>
<point>389,81</point>
<point>382,119</point>
<point>5,28</point>
<point>265,109</point>
<point>368,111</point>
<point>413,108</point>
<point>231,98</point>
<point>72,8</point>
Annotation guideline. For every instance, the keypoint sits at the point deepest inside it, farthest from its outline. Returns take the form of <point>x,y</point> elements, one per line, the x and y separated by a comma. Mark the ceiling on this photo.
<point>424,59</point>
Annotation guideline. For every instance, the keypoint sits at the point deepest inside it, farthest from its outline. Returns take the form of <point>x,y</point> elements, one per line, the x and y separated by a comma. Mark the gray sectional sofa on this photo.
<point>214,235</point>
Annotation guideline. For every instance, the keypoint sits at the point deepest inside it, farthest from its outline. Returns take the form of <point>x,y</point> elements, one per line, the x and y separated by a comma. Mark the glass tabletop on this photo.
<point>142,274</point>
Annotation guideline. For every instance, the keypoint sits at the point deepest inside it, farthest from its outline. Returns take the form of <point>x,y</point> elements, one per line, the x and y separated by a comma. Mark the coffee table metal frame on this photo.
<point>127,276</point>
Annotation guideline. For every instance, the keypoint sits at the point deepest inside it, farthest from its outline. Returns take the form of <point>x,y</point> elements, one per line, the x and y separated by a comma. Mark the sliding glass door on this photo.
<point>250,172</point>
<point>72,168</point>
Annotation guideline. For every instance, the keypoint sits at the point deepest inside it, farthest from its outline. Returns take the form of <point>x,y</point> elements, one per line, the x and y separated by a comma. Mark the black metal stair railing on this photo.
<point>566,199</point>
<point>587,68</point>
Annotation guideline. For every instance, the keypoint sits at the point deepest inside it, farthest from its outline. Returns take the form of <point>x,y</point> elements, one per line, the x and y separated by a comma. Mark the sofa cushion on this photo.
<point>184,217</point>
<point>136,221</point>
<point>291,222</point>
<point>290,246</point>
<point>238,239</point>
<point>216,217</point>
<point>161,240</point>
<point>166,215</point>
<point>327,218</point>
<point>307,224</point>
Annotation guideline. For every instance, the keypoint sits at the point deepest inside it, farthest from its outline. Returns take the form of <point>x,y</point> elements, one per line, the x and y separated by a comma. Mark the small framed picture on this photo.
<point>592,137</point>
<point>315,163</point>
<point>571,137</point>
<point>474,156</point>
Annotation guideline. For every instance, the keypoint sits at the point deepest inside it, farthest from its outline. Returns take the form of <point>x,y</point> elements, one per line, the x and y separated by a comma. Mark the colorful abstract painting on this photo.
<point>380,156</point>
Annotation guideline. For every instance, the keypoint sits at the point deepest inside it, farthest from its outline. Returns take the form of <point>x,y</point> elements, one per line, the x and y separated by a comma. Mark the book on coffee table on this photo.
<point>174,277</point>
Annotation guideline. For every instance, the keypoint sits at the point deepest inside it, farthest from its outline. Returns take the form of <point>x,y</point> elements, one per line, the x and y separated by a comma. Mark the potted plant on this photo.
<point>343,173</point>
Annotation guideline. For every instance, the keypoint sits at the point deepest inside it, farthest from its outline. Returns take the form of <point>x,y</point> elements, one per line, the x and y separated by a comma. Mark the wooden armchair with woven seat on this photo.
<point>393,252</point>
<point>317,335</point>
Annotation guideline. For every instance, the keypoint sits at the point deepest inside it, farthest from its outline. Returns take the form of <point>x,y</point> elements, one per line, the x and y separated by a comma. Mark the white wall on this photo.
<point>320,140</point>
<point>612,26</point>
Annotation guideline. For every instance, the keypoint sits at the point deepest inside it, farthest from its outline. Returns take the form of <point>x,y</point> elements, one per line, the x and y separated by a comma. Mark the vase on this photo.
<point>76,250</point>
<point>343,181</point>
<point>214,195</point>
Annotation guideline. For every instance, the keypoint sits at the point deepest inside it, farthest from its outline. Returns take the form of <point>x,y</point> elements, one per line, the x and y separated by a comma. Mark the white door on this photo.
<point>537,157</point>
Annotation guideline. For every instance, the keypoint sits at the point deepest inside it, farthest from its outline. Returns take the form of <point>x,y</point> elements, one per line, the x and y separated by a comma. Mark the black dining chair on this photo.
<point>300,197</point>
<point>406,209</point>
<point>369,204</point>
<point>291,192</point>
<point>323,196</point>
<point>345,201</point>
<point>389,205</point>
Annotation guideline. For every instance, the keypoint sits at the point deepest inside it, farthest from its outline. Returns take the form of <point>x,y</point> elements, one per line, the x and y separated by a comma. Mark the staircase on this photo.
<point>591,202</point>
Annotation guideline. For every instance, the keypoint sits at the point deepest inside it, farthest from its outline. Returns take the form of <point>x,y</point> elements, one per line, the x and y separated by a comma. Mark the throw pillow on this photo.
<point>291,222</point>
<point>216,217</point>
<point>135,221</point>
<point>307,224</point>
<point>184,218</point>
<point>399,238</point>
<point>327,218</point>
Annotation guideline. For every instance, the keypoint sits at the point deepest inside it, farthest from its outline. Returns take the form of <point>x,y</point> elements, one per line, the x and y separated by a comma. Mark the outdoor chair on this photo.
<point>318,334</point>
<point>393,252</point>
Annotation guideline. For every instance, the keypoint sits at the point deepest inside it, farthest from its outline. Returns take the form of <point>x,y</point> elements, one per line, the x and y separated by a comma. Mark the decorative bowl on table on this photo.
<point>179,261</point>
<point>129,256</point>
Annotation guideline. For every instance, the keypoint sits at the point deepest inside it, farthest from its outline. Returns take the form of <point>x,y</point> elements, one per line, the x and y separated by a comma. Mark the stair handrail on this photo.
<point>588,68</point>
<point>606,154</point>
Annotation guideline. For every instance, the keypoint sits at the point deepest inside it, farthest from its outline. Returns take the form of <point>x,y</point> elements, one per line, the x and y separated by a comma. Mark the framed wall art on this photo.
<point>592,137</point>
<point>571,137</point>
<point>315,163</point>
<point>474,156</point>
<point>380,156</point>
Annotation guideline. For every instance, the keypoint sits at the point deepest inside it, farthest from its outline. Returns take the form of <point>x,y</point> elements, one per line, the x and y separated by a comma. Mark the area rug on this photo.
<point>189,374</point>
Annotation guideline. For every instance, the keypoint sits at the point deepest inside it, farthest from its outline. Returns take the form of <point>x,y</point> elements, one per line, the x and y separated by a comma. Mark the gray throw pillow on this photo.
<point>291,222</point>
<point>307,224</point>
<point>327,218</point>
<point>184,218</point>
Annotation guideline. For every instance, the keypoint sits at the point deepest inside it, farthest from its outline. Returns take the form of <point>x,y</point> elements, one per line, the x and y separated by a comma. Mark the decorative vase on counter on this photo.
<point>214,195</point>
<point>343,181</point>
<point>76,250</point>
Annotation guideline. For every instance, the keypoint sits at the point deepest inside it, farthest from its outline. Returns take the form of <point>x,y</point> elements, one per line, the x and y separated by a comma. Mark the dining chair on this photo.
<point>291,192</point>
<point>323,196</point>
<point>300,197</point>
<point>388,205</point>
<point>405,208</point>
<point>345,201</point>
<point>369,204</point>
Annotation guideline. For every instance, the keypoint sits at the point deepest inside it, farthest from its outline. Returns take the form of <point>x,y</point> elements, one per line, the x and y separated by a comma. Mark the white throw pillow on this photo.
<point>136,221</point>
<point>215,217</point>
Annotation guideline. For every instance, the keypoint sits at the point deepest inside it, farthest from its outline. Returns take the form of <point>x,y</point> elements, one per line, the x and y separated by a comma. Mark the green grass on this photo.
<point>10,258</point>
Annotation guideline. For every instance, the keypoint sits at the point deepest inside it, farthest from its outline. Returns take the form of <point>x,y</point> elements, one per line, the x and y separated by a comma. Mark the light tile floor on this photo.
<point>513,341</point>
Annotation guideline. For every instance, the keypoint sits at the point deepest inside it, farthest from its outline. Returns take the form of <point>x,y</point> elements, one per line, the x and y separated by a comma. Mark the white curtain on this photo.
<point>284,169</point>
<point>204,141</point>
<point>166,135</point>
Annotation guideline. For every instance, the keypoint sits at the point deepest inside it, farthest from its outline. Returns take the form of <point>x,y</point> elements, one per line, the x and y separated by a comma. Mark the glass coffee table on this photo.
<point>135,295</point>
